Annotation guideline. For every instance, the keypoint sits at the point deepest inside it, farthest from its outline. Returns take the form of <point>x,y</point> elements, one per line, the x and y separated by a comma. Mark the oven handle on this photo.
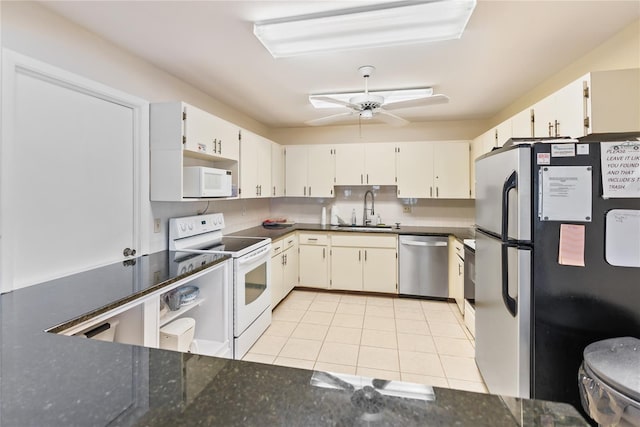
<point>255,254</point>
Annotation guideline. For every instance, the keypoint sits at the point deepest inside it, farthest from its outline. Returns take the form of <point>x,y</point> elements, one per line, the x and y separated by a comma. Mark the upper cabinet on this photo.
<point>183,135</point>
<point>365,164</point>
<point>433,170</point>
<point>602,101</point>
<point>277,170</point>
<point>309,170</point>
<point>255,166</point>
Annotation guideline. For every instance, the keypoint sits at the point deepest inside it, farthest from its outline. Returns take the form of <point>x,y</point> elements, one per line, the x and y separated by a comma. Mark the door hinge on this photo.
<point>239,191</point>
<point>585,91</point>
<point>184,139</point>
<point>184,115</point>
<point>396,255</point>
<point>587,122</point>
<point>330,281</point>
<point>240,135</point>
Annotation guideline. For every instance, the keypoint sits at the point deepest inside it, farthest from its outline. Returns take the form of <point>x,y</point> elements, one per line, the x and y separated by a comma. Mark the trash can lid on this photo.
<point>616,362</point>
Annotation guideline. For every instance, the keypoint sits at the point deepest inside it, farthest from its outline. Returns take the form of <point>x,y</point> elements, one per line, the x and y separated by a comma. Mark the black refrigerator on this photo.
<point>557,259</point>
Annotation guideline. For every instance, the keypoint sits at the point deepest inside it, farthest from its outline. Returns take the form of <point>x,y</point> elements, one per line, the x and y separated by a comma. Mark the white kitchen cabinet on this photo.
<point>284,267</point>
<point>585,105</point>
<point>503,132</point>
<point>183,135</point>
<point>365,164</point>
<point>277,170</point>
<point>313,260</point>
<point>309,171</point>
<point>433,170</point>
<point>255,166</point>
<point>456,272</point>
<point>522,125</point>
<point>364,262</point>
<point>414,166</point>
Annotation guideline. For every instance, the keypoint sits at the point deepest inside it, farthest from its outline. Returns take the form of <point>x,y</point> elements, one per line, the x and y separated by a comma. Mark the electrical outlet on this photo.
<point>156,225</point>
<point>406,209</point>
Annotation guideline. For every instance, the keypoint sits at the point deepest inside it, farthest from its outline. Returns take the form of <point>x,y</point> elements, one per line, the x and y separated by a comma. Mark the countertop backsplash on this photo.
<point>424,212</point>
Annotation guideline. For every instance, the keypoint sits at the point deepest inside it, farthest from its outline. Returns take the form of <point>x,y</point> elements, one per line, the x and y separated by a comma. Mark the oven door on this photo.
<point>252,290</point>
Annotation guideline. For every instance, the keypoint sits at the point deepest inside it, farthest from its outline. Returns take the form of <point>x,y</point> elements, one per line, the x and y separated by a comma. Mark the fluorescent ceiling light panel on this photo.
<point>390,96</point>
<point>382,24</point>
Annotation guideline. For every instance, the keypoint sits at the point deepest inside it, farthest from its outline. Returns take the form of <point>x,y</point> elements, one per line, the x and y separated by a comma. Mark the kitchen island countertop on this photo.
<point>54,380</point>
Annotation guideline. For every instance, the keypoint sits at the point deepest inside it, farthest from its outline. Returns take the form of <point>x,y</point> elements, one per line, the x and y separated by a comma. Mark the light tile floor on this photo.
<point>404,339</point>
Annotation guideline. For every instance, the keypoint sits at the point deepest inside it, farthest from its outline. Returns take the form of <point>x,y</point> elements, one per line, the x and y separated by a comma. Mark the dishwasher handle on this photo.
<point>431,244</point>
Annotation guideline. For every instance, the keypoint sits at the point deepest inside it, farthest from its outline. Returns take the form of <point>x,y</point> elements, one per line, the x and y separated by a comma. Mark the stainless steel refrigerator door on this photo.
<point>502,339</point>
<point>424,266</point>
<point>492,172</point>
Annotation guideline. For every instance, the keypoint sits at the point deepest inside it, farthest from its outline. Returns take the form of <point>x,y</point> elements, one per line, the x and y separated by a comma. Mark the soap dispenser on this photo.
<point>353,217</point>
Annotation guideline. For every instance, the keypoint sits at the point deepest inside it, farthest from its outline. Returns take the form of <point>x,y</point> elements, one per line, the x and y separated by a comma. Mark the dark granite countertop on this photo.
<point>53,380</point>
<point>278,232</point>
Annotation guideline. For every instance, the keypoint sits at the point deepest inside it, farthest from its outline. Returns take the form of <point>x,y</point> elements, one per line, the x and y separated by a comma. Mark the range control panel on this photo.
<point>188,226</point>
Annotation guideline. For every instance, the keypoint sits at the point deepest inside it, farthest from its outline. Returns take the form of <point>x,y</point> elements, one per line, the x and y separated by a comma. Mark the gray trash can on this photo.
<point>609,382</point>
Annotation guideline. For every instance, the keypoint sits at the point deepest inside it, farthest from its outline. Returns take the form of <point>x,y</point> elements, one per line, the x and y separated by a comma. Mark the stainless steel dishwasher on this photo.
<point>424,266</point>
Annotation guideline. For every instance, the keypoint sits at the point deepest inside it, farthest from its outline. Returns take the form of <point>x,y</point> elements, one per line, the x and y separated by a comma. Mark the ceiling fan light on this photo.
<point>366,114</point>
<point>382,24</point>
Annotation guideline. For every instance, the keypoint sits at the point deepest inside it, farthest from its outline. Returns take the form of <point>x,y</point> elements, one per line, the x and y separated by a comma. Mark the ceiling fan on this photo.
<point>367,104</point>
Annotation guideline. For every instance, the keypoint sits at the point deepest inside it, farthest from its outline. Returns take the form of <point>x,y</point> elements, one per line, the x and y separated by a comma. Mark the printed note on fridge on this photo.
<point>571,251</point>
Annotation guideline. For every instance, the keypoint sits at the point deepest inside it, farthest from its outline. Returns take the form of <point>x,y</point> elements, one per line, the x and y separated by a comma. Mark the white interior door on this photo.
<point>71,191</point>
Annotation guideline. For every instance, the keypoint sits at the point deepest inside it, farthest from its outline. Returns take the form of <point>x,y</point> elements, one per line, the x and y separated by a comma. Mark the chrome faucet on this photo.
<point>366,221</point>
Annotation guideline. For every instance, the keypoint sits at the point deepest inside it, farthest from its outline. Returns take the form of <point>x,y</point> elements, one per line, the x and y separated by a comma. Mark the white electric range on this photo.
<point>202,234</point>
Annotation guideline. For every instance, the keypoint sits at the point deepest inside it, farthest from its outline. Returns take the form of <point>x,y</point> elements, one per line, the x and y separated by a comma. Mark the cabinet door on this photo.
<point>249,146</point>
<point>313,264</point>
<point>414,166</point>
<point>451,169</point>
<point>295,171</point>
<point>380,165</point>
<point>570,110</point>
<point>521,124</point>
<point>277,170</point>
<point>199,131</point>
<point>380,271</point>
<point>228,138</point>
<point>504,131</point>
<point>321,171</point>
<point>349,160</point>
<point>290,279</point>
<point>277,280</point>
<point>346,268</point>
<point>544,115</point>
<point>263,161</point>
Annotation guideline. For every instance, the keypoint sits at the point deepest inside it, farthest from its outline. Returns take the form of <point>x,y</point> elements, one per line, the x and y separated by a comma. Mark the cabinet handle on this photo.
<point>309,191</point>
<point>277,248</point>
<point>290,241</point>
<point>557,128</point>
<point>283,260</point>
<point>220,147</point>
<point>274,190</point>
<point>365,255</point>
<point>367,178</point>
<point>214,145</point>
<point>437,191</point>
<point>324,252</point>
<point>312,239</point>
<point>430,191</point>
<point>305,190</point>
<point>361,180</point>
<point>260,193</point>
<point>550,127</point>
<point>359,256</point>
<point>256,190</point>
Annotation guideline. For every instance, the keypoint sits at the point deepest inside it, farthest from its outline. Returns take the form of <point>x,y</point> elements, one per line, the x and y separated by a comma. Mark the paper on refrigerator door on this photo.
<point>622,237</point>
<point>620,169</point>
<point>565,193</point>
<point>571,251</point>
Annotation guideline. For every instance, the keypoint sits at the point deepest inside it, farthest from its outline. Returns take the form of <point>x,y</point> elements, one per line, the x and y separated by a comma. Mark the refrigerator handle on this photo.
<point>510,183</point>
<point>509,302</point>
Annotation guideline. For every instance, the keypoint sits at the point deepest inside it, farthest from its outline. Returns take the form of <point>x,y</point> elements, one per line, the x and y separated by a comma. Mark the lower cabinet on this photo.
<point>313,260</point>
<point>284,268</point>
<point>456,272</point>
<point>361,262</point>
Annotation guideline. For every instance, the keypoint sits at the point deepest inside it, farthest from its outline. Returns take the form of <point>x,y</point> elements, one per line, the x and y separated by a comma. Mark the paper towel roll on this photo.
<point>323,217</point>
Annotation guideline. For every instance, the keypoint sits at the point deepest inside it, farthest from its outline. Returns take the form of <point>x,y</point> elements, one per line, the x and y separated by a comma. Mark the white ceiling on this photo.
<point>507,49</point>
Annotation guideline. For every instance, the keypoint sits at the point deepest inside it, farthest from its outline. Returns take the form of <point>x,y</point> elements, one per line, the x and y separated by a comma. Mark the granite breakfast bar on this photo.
<point>48,379</point>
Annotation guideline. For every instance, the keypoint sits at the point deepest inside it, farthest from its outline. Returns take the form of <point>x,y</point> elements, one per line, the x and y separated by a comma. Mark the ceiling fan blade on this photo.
<point>389,118</point>
<point>337,102</point>
<point>419,102</point>
<point>330,119</point>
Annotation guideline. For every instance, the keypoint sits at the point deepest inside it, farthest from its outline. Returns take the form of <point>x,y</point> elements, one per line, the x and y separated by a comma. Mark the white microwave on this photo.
<point>199,181</point>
